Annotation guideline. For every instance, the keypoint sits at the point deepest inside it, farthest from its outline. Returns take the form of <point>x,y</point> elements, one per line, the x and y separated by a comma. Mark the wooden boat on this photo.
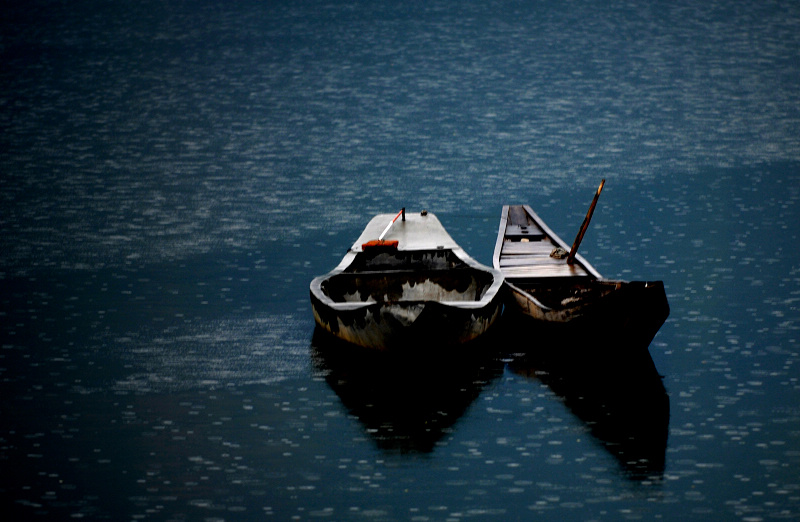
<point>408,288</point>
<point>542,285</point>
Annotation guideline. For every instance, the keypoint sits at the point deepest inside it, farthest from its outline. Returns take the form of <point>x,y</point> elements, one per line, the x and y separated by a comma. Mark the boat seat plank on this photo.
<point>523,247</point>
<point>562,270</point>
<point>530,260</point>
<point>531,233</point>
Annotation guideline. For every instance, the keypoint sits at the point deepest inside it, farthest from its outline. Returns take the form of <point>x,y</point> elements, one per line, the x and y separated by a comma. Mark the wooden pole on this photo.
<point>584,226</point>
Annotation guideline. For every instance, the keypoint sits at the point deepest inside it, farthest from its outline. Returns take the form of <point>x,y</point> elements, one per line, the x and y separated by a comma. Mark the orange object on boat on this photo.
<point>390,244</point>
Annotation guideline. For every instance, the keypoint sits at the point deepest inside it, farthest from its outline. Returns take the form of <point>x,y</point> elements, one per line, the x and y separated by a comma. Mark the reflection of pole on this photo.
<point>584,226</point>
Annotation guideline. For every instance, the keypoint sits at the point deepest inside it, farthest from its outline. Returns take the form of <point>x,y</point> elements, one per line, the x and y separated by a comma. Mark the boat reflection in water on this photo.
<point>407,403</point>
<point>614,388</point>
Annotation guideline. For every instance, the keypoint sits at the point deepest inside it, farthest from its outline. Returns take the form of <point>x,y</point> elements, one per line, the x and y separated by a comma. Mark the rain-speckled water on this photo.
<point>175,173</point>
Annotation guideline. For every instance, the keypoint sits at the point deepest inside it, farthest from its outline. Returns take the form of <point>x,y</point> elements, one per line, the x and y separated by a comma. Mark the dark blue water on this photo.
<point>175,173</point>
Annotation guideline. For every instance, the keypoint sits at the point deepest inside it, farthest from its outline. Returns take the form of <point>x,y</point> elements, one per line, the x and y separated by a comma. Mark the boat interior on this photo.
<point>459,284</point>
<point>389,259</point>
<point>559,294</point>
<point>526,249</point>
<point>390,275</point>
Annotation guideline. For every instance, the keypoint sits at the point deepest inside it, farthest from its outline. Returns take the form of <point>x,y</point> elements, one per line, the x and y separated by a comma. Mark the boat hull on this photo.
<point>406,326</point>
<point>622,313</point>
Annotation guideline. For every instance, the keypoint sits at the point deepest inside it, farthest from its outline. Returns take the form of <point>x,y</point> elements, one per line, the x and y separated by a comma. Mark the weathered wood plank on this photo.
<point>512,255</point>
<point>531,247</point>
<point>563,270</point>
<point>531,233</point>
<point>517,216</point>
<point>529,260</point>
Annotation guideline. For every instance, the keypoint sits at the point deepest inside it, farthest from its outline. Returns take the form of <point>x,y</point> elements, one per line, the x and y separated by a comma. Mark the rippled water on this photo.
<point>174,175</point>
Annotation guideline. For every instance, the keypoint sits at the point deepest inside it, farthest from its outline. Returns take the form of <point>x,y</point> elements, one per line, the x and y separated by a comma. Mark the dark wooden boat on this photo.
<point>543,286</point>
<point>409,288</point>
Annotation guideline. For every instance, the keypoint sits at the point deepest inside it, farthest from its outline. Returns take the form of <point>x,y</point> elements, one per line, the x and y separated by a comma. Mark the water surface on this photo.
<point>175,174</point>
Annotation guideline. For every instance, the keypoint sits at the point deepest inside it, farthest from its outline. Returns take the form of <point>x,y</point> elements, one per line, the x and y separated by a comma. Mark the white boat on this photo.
<point>410,287</point>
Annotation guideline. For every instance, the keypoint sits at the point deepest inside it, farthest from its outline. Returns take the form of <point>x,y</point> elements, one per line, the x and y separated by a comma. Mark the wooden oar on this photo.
<point>584,226</point>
